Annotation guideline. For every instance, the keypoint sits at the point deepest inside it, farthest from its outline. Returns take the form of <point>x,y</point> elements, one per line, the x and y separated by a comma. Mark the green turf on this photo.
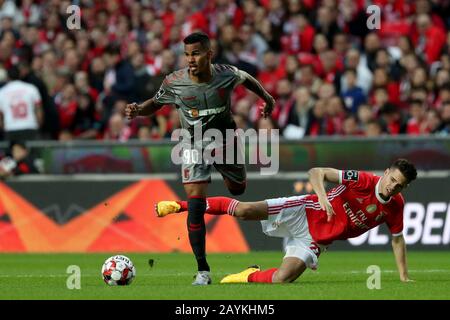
<point>341,275</point>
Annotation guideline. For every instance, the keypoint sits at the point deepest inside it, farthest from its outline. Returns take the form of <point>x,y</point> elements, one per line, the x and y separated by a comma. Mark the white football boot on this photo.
<point>202,279</point>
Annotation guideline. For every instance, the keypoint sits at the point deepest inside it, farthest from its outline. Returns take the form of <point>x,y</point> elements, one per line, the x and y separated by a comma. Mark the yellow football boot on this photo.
<point>241,277</point>
<point>163,208</point>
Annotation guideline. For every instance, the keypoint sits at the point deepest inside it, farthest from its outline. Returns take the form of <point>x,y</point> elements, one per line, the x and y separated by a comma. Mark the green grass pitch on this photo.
<point>341,275</point>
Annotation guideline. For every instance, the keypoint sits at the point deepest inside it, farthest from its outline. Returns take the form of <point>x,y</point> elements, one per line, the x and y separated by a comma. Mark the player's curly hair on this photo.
<point>406,168</point>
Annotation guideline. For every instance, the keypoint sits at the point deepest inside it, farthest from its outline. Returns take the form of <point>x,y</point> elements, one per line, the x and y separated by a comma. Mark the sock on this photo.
<point>221,205</point>
<point>215,205</point>
<point>262,276</point>
<point>183,204</point>
<point>197,230</point>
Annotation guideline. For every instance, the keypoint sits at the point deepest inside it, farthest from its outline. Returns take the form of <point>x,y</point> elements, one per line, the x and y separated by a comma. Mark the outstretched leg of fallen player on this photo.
<point>219,206</point>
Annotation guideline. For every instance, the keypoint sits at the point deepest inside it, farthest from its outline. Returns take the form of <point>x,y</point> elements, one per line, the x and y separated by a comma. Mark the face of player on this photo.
<point>392,182</point>
<point>198,58</point>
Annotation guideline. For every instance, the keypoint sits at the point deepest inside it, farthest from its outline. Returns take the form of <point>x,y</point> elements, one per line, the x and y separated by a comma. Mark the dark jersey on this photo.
<point>205,104</point>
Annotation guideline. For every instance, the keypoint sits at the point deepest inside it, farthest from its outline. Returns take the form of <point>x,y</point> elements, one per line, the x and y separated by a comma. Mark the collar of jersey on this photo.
<point>213,71</point>
<point>377,193</point>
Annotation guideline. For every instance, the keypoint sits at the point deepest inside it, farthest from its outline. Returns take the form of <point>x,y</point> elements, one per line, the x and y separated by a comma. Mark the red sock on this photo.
<point>262,276</point>
<point>216,205</point>
<point>221,205</point>
<point>183,205</point>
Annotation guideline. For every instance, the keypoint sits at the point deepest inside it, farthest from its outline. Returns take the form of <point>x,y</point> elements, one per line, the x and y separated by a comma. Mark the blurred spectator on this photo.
<point>119,79</point>
<point>326,22</point>
<point>86,124</point>
<point>17,161</point>
<point>433,122</point>
<point>125,49</point>
<point>66,103</point>
<point>429,39</point>
<point>445,116</point>
<point>20,108</point>
<point>299,114</point>
<point>350,126</point>
<point>353,95</point>
<point>318,121</point>
<point>363,74</point>
<point>392,119</point>
<point>365,116</point>
<point>373,129</point>
<point>50,125</point>
<point>117,128</point>
<point>416,123</point>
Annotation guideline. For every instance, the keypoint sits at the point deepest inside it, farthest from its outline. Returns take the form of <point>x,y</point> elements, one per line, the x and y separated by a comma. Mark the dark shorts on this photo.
<point>231,167</point>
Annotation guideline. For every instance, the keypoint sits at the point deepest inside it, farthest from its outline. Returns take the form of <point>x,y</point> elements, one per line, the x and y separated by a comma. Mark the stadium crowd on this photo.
<point>329,74</point>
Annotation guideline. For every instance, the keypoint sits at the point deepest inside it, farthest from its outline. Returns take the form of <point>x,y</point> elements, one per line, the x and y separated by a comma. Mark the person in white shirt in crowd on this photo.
<point>20,108</point>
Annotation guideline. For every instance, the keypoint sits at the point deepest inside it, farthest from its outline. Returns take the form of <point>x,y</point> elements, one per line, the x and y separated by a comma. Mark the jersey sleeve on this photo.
<point>394,219</point>
<point>165,94</point>
<point>240,75</point>
<point>355,179</point>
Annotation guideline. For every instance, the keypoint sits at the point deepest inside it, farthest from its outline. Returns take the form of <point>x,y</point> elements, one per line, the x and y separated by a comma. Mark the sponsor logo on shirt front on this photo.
<point>356,218</point>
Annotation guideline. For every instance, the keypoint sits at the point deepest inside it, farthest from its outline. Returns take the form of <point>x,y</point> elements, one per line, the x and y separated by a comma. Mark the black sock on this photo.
<point>197,230</point>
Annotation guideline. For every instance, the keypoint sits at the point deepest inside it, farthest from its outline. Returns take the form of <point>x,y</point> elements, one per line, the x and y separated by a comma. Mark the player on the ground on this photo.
<point>361,202</point>
<point>202,94</point>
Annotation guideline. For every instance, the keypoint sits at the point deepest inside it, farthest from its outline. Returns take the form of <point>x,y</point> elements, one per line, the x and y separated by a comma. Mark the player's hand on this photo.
<point>132,110</point>
<point>268,106</point>
<point>326,205</point>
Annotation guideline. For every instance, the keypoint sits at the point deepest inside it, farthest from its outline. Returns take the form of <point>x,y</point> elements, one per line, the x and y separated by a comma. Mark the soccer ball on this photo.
<point>118,271</point>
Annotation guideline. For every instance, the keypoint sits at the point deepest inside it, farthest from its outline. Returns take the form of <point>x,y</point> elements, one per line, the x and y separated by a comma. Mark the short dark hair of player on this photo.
<point>406,168</point>
<point>198,37</point>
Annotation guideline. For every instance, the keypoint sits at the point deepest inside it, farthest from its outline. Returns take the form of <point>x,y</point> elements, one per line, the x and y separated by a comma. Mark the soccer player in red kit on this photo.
<point>359,203</point>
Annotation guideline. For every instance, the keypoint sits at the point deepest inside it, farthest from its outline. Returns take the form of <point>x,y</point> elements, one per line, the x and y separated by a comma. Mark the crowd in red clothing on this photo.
<point>329,74</point>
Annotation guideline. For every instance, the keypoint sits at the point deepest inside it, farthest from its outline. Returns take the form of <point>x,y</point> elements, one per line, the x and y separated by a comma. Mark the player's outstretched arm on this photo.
<point>253,85</point>
<point>147,108</point>
<point>317,177</point>
<point>399,248</point>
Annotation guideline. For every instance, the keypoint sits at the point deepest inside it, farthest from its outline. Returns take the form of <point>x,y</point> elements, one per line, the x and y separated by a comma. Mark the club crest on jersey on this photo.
<point>351,175</point>
<point>193,113</point>
<point>371,208</point>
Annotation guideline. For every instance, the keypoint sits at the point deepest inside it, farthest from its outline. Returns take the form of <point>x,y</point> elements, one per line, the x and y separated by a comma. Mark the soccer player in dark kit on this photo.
<point>202,93</point>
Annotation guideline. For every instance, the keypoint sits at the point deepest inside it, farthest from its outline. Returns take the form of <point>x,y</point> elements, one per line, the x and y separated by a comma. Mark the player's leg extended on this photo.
<point>219,206</point>
<point>291,268</point>
<point>196,225</point>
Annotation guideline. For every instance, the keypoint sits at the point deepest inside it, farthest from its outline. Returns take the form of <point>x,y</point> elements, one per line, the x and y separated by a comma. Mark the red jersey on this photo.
<point>358,207</point>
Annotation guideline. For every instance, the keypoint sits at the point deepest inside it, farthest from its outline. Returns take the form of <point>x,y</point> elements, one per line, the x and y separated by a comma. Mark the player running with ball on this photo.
<point>202,94</point>
<point>359,203</point>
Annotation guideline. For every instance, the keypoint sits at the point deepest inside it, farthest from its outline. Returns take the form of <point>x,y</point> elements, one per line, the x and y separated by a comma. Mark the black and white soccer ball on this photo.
<point>118,270</point>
